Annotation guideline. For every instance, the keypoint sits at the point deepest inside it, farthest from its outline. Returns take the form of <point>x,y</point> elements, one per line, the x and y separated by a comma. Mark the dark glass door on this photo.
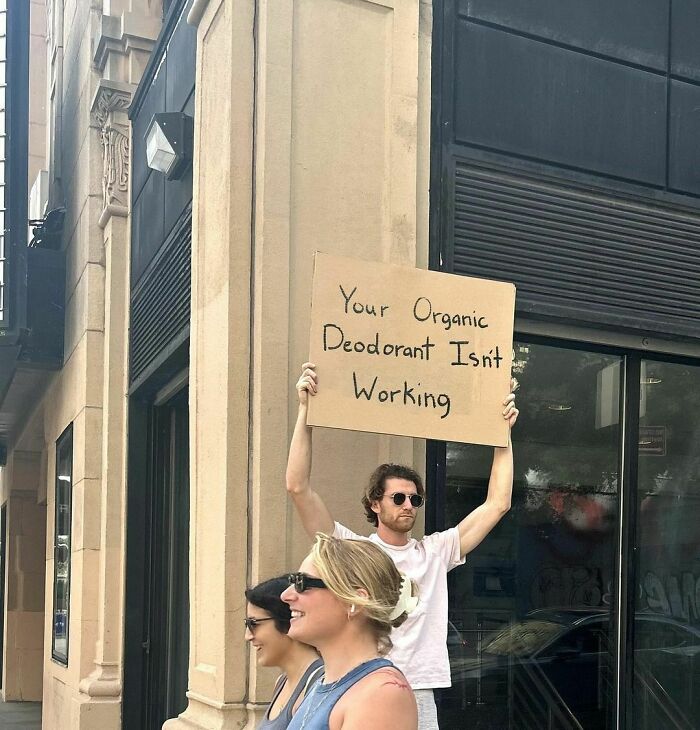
<point>535,636</point>
<point>532,613</point>
<point>666,632</point>
<point>166,615</point>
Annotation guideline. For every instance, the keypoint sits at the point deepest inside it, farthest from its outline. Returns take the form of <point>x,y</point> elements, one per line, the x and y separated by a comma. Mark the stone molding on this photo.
<point>123,34</point>
<point>109,113</point>
<point>119,46</point>
<point>104,681</point>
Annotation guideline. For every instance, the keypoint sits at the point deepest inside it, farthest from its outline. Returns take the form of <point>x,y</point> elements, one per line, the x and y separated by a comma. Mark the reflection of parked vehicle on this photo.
<point>568,651</point>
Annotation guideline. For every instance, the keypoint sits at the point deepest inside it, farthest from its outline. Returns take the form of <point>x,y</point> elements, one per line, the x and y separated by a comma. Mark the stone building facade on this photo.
<point>278,172</point>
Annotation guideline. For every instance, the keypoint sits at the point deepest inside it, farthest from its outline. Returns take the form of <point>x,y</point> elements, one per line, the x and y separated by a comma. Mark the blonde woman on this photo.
<point>345,600</point>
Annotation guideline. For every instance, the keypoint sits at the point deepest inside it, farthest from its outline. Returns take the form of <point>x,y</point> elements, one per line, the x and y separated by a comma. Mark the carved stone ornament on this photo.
<point>116,162</point>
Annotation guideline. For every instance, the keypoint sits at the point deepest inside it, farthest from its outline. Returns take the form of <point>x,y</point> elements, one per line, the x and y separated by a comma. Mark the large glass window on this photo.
<point>62,546</point>
<point>666,635</point>
<point>532,614</point>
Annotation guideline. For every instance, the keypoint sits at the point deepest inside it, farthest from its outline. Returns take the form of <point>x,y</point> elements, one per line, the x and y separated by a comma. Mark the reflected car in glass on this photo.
<point>560,660</point>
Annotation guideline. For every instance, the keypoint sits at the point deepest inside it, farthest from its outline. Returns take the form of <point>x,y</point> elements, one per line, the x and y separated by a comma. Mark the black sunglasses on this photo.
<point>251,623</point>
<point>303,582</point>
<point>399,498</point>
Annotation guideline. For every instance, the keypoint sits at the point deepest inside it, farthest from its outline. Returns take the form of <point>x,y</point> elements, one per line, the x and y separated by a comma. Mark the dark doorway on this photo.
<point>167,615</point>
<point>157,641</point>
<point>3,524</point>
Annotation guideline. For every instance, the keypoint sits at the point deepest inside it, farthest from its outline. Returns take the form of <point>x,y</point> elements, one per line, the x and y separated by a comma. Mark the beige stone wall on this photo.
<point>336,129</point>
<point>81,95</point>
<point>75,394</point>
<point>345,180</point>
<point>24,583</point>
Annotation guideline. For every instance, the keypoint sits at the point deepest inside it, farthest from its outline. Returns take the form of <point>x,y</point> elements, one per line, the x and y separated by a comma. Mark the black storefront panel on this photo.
<point>626,30</point>
<point>564,159</point>
<point>684,137</point>
<point>519,95</point>
<point>685,51</point>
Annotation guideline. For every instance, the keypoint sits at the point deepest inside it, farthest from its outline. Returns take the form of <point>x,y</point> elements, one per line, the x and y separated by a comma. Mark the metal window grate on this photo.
<point>160,305</point>
<point>576,254</point>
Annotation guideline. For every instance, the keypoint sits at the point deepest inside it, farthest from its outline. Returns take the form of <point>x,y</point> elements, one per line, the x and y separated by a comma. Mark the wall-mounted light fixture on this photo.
<point>169,143</point>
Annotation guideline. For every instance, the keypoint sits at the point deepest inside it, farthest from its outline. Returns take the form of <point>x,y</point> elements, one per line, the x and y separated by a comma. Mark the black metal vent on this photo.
<point>160,303</point>
<point>578,255</point>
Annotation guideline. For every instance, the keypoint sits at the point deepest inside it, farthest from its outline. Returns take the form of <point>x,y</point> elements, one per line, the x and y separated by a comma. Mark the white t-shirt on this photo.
<point>420,643</point>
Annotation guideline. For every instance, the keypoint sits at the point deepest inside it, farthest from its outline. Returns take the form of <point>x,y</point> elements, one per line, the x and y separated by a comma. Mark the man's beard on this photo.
<point>400,524</point>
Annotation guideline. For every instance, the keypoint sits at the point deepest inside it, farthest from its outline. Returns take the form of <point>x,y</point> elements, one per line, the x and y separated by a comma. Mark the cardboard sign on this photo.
<point>410,352</point>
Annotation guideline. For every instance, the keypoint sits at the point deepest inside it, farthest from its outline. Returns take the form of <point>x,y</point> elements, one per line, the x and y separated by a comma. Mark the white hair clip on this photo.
<point>406,602</point>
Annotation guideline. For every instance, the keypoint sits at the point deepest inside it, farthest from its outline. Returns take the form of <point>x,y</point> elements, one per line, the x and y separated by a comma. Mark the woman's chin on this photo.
<point>264,661</point>
<point>296,633</point>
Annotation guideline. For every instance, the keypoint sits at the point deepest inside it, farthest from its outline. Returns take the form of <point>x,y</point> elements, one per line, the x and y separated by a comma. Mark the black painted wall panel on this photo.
<point>522,96</point>
<point>154,101</point>
<point>685,48</point>
<point>147,226</point>
<point>634,31</point>
<point>168,85</point>
<point>180,63</point>
<point>566,157</point>
<point>684,138</point>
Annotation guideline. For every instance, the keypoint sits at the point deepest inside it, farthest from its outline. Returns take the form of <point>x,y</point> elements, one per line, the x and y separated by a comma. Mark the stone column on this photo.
<point>24,582</point>
<point>121,51</point>
<point>219,366</point>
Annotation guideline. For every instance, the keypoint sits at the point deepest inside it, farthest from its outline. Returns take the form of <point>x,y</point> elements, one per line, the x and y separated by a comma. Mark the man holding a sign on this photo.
<point>391,502</point>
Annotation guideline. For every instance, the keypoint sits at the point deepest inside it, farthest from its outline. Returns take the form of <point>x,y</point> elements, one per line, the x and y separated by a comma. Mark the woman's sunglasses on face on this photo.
<point>252,623</point>
<point>303,582</point>
<point>398,498</point>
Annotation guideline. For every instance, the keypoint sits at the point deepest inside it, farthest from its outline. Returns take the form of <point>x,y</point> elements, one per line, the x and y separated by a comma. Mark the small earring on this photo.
<point>352,608</point>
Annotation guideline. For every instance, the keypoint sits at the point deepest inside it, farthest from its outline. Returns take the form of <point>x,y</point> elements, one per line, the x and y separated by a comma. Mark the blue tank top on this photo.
<point>315,711</point>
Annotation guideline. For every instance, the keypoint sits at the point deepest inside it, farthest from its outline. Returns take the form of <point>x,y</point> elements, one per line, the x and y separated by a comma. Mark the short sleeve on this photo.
<point>344,533</point>
<point>446,546</point>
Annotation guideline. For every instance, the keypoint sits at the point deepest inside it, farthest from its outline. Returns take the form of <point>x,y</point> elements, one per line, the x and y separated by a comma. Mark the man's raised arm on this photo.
<point>313,512</point>
<point>478,523</point>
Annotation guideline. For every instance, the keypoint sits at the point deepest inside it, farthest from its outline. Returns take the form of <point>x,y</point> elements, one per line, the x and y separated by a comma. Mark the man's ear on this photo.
<point>374,506</point>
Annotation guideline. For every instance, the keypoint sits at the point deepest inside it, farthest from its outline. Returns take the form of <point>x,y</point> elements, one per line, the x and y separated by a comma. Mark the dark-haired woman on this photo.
<point>267,623</point>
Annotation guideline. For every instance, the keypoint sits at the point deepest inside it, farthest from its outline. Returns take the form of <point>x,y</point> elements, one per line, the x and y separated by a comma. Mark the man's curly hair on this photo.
<point>377,482</point>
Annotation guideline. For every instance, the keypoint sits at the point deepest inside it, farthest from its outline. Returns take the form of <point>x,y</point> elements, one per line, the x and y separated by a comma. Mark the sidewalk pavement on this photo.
<point>24,715</point>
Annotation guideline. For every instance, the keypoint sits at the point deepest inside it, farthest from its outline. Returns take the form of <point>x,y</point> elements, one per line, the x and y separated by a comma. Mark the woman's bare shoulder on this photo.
<point>380,700</point>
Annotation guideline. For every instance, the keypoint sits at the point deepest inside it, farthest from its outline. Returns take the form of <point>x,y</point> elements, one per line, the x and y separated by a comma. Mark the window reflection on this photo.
<point>530,614</point>
<point>667,626</point>
<point>62,545</point>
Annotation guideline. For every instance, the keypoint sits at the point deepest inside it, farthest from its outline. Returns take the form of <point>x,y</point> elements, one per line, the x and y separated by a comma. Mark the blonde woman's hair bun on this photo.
<point>360,573</point>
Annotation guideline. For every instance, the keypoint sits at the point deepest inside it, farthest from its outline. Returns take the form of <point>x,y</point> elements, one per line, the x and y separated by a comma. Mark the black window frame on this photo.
<point>63,443</point>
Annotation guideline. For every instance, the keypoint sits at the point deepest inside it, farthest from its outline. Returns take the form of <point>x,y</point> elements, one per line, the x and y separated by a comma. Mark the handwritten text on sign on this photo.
<point>410,352</point>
